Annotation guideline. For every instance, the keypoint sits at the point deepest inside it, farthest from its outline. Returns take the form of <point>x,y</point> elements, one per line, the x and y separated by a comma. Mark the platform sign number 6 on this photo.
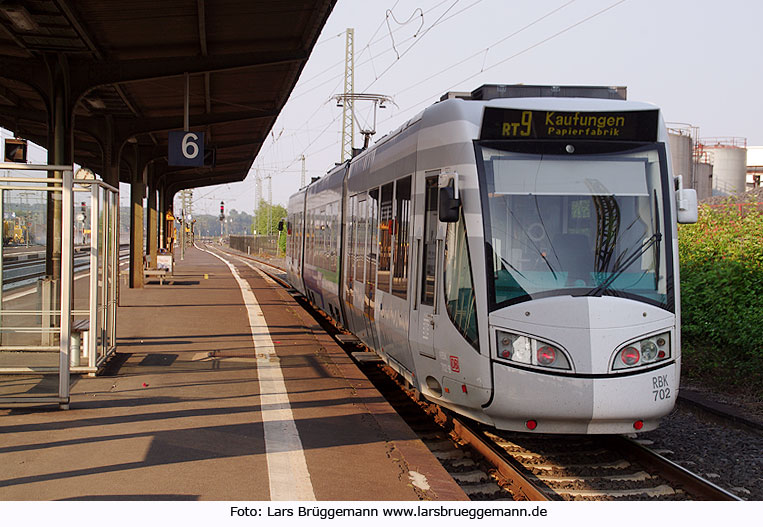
<point>186,149</point>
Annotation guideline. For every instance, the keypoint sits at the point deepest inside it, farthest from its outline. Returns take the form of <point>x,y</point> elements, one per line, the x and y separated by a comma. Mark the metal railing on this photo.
<point>255,244</point>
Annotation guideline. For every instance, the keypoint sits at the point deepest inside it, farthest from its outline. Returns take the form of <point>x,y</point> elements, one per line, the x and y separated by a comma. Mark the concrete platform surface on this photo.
<point>195,408</point>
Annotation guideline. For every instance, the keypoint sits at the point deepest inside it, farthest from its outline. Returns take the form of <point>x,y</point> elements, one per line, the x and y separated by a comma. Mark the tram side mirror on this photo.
<point>449,204</point>
<point>686,203</point>
<point>687,206</point>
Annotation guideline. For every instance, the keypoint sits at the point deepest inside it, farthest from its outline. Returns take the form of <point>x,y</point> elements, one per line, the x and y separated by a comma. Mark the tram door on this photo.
<point>371,257</point>
<point>429,256</point>
<point>358,245</point>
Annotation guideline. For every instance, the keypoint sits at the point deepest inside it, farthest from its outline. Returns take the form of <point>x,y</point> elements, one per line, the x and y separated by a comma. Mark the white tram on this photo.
<point>514,258</point>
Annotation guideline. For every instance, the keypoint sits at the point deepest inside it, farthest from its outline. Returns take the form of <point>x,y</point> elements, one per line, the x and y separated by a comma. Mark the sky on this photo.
<point>696,59</point>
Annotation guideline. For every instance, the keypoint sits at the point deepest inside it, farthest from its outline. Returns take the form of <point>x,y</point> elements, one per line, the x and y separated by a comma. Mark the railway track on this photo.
<point>497,465</point>
<point>29,268</point>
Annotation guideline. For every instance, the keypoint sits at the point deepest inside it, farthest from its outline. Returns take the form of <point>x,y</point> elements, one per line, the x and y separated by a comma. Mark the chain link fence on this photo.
<point>255,244</point>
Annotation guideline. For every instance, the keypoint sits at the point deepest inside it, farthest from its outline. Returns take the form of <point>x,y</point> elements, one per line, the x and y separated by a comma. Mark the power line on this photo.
<point>441,19</point>
<point>485,50</point>
<point>367,46</point>
<point>525,50</point>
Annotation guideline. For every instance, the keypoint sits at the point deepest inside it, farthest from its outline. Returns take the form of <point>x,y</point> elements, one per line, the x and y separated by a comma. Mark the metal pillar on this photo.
<point>137,190</point>
<point>2,215</point>
<point>162,219</point>
<point>58,154</point>
<point>152,244</point>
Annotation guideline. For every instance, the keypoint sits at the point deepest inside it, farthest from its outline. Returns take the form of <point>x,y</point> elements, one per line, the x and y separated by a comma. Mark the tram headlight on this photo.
<point>643,352</point>
<point>530,351</point>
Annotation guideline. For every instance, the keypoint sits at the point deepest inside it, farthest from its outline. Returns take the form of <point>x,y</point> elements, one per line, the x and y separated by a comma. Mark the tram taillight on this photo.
<point>630,356</point>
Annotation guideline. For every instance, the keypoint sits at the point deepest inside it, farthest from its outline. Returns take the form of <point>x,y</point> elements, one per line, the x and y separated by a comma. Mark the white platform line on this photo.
<point>287,467</point>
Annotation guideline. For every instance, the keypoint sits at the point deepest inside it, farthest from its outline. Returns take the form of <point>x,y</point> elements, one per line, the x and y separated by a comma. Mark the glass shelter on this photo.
<point>59,263</point>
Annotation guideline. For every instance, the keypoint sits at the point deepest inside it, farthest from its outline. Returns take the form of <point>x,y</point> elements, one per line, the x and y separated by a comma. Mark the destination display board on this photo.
<point>510,123</point>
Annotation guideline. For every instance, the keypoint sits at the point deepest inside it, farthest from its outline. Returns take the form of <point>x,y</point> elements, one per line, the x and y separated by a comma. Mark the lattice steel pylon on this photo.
<point>187,203</point>
<point>348,122</point>
<point>302,178</point>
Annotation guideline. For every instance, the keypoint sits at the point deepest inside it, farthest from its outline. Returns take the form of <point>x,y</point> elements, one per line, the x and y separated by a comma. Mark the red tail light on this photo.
<point>630,356</point>
<point>532,424</point>
<point>546,355</point>
<point>638,425</point>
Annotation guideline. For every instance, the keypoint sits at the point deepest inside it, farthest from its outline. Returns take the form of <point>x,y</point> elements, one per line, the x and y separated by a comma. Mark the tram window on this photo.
<point>300,237</point>
<point>385,237</point>
<point>430,243</point>
<point>360,239</point>
<point>371,250</point>
<point>334,241</point>
<point>320,230</point>
<point>459,289</point>
<point>308,238</point>
<point>401,222</point>
<point>351,236</point>
<point>290,238</point>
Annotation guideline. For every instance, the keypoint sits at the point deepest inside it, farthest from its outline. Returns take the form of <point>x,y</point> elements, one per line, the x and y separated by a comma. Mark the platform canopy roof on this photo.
<point>124,62</point>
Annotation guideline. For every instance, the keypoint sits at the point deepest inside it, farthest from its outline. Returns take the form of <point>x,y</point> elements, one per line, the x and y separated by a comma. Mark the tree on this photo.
<point>267,214</point>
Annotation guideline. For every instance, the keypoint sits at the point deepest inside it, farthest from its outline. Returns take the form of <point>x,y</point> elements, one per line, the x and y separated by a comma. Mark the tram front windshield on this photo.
<point>583,225</point>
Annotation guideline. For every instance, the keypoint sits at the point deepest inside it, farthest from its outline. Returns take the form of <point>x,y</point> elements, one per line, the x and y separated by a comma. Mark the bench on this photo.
<point>161,273</point>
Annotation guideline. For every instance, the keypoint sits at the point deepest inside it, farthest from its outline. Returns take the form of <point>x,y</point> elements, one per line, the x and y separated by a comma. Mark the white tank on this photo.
<point>729,160</point>
<point>681,149</point>
<point>703,180</point>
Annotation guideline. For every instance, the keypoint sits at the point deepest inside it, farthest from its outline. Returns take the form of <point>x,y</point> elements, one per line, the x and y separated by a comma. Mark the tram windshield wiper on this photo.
<point>620,269</point>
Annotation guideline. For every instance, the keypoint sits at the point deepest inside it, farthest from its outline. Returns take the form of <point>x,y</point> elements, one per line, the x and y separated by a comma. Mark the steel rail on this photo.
<point>512,474</point>
<point>697,486</point>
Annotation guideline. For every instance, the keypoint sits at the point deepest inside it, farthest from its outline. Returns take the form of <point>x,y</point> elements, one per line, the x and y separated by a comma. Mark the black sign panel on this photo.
<point>506,123</point>
<point>186,149</point>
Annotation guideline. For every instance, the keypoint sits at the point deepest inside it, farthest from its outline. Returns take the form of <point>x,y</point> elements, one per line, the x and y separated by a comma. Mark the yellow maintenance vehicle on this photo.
<point>14,231</point>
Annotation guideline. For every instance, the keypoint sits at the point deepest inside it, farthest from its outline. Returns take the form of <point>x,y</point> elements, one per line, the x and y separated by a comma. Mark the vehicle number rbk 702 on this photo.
<point>661,390</point>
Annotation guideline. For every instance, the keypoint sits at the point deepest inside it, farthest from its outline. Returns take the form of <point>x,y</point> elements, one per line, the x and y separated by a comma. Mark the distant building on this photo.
<point>754,166</point>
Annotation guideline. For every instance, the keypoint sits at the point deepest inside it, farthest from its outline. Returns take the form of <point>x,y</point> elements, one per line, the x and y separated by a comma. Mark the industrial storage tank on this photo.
<point>703,180</point>
<point>729,159</point>
<point>681,152</point>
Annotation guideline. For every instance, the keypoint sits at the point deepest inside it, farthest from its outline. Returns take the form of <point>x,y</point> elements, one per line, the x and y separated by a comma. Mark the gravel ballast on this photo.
<point>728,456</point>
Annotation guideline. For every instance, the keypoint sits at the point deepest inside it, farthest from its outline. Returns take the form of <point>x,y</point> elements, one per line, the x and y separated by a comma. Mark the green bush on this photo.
<point>722,295</point>
<point>282,242</point>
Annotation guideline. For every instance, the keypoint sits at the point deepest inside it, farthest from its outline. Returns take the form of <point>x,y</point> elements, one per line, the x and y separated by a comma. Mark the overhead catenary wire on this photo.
<point>313,148</point>
<point>378,55</point>
<point>487,49</point>
<point>519,53</point>
<point>439,20</point>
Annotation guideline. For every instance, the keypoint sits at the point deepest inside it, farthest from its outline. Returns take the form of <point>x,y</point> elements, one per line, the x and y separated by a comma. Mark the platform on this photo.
<point>196,408</point>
